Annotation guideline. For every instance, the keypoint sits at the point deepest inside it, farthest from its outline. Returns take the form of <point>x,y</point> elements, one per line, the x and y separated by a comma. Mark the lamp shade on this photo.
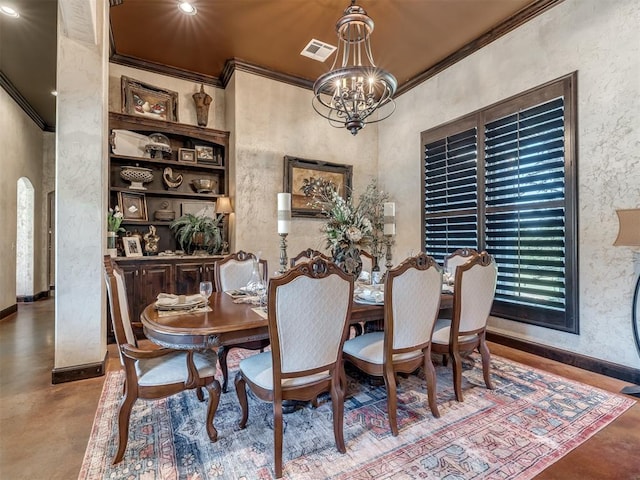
<point>223,205</point>
<point>629,233</point>
<point>284,213</point>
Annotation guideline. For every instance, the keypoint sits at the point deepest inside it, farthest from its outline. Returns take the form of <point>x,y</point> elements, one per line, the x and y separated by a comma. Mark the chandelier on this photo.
<point>349,94</point>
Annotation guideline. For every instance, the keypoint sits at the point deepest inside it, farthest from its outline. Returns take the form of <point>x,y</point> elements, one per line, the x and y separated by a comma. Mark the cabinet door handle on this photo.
<point>144,272</point>
<point>137,273</point>
<point>200,268</point>
<point>206,269</point>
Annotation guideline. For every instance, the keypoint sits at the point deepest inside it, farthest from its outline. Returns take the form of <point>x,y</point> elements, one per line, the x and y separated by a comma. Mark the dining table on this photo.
<point>229,323</point>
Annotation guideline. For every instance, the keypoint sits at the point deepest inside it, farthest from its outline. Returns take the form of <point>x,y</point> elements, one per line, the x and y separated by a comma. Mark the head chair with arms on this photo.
<point>411,304</point>
<point>157,372</point>
<point>473,294</point>
<point>309,309</point>
<point>231,273</point>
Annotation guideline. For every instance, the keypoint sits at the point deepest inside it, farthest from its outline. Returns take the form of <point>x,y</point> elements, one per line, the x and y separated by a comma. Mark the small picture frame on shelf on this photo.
<point>133,206</point>
<point>132,247</point>
<point>204,154</point>
<point>187,155</point>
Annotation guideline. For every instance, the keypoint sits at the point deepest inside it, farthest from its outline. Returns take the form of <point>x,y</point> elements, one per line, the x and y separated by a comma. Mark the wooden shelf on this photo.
<point>153,161</point>
<point>170,193</point>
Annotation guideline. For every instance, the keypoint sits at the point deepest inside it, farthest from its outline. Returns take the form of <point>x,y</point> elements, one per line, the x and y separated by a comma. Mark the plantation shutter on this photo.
<point>503,179</point>
<point>524,201</point>
<point>451,200</point>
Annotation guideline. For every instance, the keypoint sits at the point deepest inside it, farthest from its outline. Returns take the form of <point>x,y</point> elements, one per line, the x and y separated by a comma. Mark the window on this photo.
<point>503,179</point>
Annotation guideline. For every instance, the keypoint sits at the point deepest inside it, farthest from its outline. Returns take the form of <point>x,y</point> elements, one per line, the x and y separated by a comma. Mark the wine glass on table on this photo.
<point>206,288</point>
<point>261,292</point>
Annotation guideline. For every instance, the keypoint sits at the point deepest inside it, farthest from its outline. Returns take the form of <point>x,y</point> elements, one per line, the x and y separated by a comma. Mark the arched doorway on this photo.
<point>25,240</point>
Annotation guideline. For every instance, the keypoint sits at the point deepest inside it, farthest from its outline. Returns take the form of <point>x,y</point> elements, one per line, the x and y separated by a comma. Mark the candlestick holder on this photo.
<point>283,253</point>
<point>388,241</point>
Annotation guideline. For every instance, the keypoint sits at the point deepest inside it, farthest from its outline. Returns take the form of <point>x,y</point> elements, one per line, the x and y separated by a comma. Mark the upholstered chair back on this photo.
<point>457,258</point>
<point>234,271</point>
<point>309,314</point>
<point>475,287</point>
<point>118,304</point>
<point>415,303</point>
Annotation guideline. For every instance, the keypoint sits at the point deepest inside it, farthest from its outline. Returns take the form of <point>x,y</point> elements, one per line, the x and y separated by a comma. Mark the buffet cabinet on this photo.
<point>146,277</point>
<point>159,171</point>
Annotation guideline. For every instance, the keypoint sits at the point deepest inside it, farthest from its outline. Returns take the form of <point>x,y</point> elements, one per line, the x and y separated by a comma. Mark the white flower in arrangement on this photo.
<point>353,234</point>
<point>114,219</point>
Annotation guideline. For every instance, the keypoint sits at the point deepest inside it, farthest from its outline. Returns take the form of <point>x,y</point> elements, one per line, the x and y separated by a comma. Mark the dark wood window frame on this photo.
<point>452,201</point>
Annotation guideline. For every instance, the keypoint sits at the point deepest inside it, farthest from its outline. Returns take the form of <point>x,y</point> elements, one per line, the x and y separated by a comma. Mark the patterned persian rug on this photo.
<point>529,421</point>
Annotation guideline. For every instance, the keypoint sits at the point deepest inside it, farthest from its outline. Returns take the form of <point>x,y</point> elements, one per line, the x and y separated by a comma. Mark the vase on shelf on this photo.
<point>348,259</point>
<point>112,250</point>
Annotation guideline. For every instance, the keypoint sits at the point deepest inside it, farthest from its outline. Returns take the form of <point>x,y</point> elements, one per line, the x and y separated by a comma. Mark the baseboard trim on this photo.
<point>595,365</point>
<point>9,311</point>
<point>32,298</point>
<point>79,372</point>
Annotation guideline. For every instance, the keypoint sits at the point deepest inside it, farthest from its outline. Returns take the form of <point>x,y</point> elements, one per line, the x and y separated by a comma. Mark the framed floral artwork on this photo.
<point>143,99</point>
<point>307,180</point>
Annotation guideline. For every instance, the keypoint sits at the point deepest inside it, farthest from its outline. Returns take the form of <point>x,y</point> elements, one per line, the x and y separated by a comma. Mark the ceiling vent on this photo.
<point>318,50</point>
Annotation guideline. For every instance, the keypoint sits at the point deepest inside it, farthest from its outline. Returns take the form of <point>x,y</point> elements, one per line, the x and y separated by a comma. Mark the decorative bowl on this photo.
<point>137,176</point>
<point>204,185</point>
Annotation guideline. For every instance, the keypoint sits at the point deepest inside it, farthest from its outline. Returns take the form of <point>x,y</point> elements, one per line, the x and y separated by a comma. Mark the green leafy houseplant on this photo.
<point>198,233</point>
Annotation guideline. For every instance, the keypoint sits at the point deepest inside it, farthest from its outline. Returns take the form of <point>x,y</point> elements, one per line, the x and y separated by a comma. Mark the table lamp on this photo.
<point>284,225</point>
<point>629,236</point>
<point>223,208</point>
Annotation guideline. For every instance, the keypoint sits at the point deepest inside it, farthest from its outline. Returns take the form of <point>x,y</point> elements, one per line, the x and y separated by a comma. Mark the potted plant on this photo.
<point>198,233</point>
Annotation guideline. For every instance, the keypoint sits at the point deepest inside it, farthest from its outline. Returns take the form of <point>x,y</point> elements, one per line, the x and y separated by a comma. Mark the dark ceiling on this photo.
<point>412,38</point>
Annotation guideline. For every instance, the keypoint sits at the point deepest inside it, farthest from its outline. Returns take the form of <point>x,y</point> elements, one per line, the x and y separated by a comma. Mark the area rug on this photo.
<point>529,421</point>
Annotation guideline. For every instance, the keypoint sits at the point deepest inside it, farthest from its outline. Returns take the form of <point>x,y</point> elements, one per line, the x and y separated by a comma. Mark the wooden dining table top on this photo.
<point>230,323</point>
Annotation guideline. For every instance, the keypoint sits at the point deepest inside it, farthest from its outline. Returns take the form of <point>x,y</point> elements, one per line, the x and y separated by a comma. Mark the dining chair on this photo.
<point>473,293</point>
<point>411,305</point>
<point>157,372</point>
<point>457,258</point>
<point>367,261</point>
<point>308,314</point>
<point>231,273</point>
<point>306,255</point>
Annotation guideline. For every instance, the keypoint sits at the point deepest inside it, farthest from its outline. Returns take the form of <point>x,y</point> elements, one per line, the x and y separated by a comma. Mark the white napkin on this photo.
<point>171,300</point>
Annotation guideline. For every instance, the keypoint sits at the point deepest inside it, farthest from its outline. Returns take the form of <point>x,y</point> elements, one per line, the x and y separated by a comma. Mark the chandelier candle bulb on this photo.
<point>284,212</point>
<point>389,218</point>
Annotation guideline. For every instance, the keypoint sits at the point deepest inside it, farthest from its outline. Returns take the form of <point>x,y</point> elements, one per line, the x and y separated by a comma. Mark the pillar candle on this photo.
<point>389,218</point>
<point>284,212</point>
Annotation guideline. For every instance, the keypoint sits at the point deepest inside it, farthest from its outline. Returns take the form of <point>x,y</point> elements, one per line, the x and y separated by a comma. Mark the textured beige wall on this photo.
<point>601,41</point>
<point>271,120</point>
<point>21,155</point>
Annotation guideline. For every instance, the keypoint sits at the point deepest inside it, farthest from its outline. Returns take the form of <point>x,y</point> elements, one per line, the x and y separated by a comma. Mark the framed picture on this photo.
<point>199,209</point>
<point>204,154</point>
<point>187,155</point>
<point>306,180</point>
<point>132,247</point>
<point>143,99</point>
<point>133,206</point>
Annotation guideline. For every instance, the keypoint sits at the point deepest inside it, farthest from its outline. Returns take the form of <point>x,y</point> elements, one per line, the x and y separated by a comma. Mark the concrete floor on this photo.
<point>44,428</point>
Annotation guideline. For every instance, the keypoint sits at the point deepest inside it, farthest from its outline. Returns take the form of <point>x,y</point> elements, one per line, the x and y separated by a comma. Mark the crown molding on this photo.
<point>505,27</point>
<point>164,69</point>
<point>22,102</point>
<point>234,64</point>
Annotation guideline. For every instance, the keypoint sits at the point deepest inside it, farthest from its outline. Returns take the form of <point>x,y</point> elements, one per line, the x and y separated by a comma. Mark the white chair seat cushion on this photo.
<point>441,336</point>
<point>172,368</point>
<point>370,348</point>
<point>258,369</point>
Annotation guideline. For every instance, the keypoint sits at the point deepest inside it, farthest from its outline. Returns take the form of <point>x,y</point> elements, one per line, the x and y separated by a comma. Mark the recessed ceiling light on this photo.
<point>188,8</point>
<point>8,11</point>
<point>54,93</point>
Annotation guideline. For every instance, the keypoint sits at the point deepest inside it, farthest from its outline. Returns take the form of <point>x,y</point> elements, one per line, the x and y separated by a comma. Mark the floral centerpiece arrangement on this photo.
<point>353,227</point>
